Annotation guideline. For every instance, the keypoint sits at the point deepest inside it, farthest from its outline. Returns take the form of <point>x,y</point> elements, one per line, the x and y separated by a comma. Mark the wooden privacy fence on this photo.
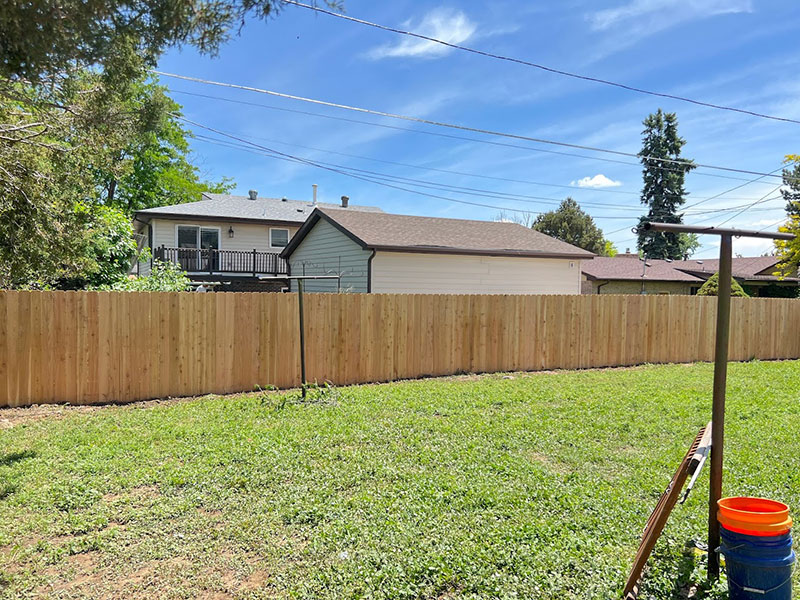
<point>87,347</point>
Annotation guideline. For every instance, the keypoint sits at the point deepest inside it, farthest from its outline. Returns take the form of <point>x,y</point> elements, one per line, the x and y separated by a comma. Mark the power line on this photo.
<point>455,126</point>
<point>285,156</point>
<point>735,188</point>
<point>572,188</point>
<point>540,66</point>
<point>451,136</point>
<point>746,208</point>
<point>377,179</point>
<point>442,186</point>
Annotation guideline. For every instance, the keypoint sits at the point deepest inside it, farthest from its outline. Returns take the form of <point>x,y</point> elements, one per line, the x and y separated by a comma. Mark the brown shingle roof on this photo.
<point>747,267</point>
<point>631,268</point>
<point>383,231</point>
<point>753,268</point>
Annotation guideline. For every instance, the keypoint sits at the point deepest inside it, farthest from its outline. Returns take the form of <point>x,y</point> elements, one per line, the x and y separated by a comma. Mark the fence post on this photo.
<point>254,262</point>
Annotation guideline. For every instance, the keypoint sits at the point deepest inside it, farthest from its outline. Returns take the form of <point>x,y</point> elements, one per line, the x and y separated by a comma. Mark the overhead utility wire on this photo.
<point>271,153</point>
<point>723,193</point>
<point>733,189</point>
<point>285,156</point>
<point>477,175</point>
<point>447,135</point>
<point>454,126</point>
<point>746,208</point>
<point>446,187</point>
<point>540,66</point>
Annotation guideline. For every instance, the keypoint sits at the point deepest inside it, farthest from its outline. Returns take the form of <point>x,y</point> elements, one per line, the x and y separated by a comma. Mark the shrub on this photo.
<point>165,276</point>
<point>711,287</point>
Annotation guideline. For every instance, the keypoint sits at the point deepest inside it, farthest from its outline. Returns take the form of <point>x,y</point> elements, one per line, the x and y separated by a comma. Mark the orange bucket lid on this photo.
<point>754,510</point>
<point>747,527</point>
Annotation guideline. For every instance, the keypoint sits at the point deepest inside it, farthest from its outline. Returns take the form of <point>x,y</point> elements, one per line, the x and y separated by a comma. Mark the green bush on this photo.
<point>165,276</point>
<point>711,288</point>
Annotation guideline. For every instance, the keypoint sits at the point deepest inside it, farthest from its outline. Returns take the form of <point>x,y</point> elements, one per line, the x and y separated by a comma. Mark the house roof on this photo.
<point>748,267</point>
<point>627,267</point>
<point>405,233</point>
<point>630,268</point>
<point>242,208</point>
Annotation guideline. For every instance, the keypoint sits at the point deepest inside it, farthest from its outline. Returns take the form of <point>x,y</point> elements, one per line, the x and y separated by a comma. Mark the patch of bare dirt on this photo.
<point>549,462</point>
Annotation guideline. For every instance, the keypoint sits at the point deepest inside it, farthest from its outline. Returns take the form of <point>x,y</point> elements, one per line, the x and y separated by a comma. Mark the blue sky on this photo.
<point>740,53</point>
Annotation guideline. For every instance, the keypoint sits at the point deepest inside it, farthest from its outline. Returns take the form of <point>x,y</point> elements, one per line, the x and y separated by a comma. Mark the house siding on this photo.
<point>418,273</point>
<point>327,251</point>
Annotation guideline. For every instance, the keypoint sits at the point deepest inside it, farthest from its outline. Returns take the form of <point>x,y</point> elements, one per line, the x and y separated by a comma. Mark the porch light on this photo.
<point>230,232</point>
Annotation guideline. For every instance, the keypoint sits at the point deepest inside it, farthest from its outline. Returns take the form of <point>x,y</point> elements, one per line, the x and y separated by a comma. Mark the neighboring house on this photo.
<point>229,242</point>
<point>628,274</point>
<point>380,252</point>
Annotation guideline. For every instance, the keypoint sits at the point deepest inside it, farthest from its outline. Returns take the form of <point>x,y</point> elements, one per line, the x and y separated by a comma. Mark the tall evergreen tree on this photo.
<point>789,251</point>
<point>663,191</point>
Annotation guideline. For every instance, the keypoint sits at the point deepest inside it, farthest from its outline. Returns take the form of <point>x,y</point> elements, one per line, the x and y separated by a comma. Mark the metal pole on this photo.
<point>718,406</point>
<point>302,338</point>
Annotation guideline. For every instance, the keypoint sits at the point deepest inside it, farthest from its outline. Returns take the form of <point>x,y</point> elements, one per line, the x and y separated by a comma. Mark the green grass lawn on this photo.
<point>473,487</point>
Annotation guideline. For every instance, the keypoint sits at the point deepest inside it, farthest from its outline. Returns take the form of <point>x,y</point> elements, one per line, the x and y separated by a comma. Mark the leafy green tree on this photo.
<point>165,276</point>
<point>791,185</point>
<point>789,250</point>
<point>711,288</point>
<point>610,249</point>
<point>663,192</point>
<point>47,37</point>
<point>153,168</point>
<point>72,157</point>
<point>570,224</point>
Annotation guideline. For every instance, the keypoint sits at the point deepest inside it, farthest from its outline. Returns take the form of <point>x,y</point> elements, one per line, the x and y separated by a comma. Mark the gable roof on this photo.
<point>405,233</point>
<point>628,267</point>
<point>242,208</point>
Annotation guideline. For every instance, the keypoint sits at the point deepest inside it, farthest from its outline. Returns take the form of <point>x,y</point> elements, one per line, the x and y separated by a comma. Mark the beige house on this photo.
<point>629,274</point>
<point>385,253</point>
<point>227,242</point>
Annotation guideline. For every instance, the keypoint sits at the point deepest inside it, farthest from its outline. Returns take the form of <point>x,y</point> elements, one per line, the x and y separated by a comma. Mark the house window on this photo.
<point>278,238</point>
<point>192,237</point>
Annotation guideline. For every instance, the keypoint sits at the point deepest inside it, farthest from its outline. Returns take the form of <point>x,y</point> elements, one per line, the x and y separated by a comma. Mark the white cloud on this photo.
<point>445,24</point>
<point>655,15</point>
<point>598,181</point>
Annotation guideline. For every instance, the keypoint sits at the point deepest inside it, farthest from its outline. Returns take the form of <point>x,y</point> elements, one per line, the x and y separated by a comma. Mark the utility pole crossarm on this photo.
<point>701,229</point>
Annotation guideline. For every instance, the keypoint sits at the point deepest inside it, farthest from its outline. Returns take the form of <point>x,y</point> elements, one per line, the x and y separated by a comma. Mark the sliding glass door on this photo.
<point>197,248</point>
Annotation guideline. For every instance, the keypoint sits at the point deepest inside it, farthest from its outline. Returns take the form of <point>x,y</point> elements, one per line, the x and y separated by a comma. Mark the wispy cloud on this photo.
<point>598,181</point>
<point>445,24</point>
<point>655,15</point>
<point>630,23</point>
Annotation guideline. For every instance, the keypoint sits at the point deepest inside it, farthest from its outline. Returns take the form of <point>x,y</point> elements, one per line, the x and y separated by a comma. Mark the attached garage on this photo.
<point>385,253</point>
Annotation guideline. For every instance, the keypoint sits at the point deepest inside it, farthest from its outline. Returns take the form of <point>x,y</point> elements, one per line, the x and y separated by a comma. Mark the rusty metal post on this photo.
<point>302,338</point>
<point>718,402</point>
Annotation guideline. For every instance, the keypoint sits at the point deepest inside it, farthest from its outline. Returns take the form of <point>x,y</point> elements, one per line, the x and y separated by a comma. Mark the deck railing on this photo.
<point>196,260</point>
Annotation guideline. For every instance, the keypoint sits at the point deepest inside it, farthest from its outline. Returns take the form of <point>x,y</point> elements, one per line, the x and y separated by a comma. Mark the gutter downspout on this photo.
<point>369,271</point>
<point>601,285</point>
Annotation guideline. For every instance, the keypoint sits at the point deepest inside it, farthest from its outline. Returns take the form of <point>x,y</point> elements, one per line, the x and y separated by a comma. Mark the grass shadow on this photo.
<point>688,572</point>
<point>14,457</point>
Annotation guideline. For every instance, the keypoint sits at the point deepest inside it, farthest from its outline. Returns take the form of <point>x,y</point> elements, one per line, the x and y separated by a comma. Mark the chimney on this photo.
<point>345,201</point>
<point>314,194</point>
<point>253,194</point>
